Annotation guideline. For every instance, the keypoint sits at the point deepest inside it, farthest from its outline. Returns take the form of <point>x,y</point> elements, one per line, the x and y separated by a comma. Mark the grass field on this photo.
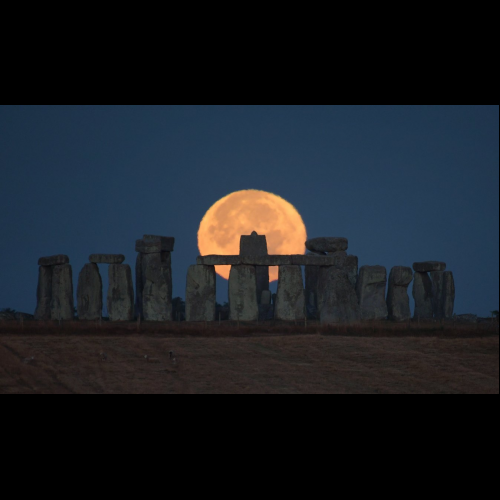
<point>267,358</point>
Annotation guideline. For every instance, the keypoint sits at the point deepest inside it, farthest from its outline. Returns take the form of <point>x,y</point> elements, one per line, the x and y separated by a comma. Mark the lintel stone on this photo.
<point>105,258</point>
<point>54,260</point>
<point>429,266</point>
<point>271,260</point>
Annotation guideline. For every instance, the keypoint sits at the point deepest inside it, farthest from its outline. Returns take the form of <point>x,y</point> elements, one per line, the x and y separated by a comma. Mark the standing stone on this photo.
<point>290,300</point>
<point>337,299</point>
<point>351,266</point>
<point>311,291</point>
<point>157,291</point>
<point>200,293</point>
<point>348,263</point>
<point>243,294</point>
<point>422,294</point>
<point>139,286</point>
<point>106,258</point>
<point>89,293</point>
<point>266,308</point>
<point>155,244</point>
<point>120,293</point>
<point>443,294</point>
<point>266,298</point>
<point>253,246</point>
<point>398,301</point>
<point>371,292</point>
<point>62,303</point>
<point>44,293</point>
<point>437,279</point>
<point>449,294</point>
<point>340,256</point>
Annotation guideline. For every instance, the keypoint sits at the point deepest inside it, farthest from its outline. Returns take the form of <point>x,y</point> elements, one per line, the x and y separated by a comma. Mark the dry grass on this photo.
<point>242,329</point>
<point>270,358</point>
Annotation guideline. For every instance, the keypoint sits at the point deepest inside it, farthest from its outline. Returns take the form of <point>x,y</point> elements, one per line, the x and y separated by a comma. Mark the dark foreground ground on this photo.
<point>228,360</point>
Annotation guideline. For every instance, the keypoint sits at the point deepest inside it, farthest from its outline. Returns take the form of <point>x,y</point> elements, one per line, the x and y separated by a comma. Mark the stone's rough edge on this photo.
<point>54,260</point>
<point>106,258</point>
<point>269,260</point>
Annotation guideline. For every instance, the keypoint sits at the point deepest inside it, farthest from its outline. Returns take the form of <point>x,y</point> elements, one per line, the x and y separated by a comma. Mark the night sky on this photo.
<point>402,183</point>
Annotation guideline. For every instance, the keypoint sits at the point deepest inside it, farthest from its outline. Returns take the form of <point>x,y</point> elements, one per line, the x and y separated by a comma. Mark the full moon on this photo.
<point>246,211</point>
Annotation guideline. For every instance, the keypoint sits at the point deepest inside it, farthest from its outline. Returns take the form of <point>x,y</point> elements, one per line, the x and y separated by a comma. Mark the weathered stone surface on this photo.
<point>401,276</point>
<point>89,293</point>
<point>166,241</point>
<point>62,303</point>
<point>272,260</point>
<point>157,290</point>
<point>340,260</point>
<point>105,258</point>
<point>429,266</point>
<point>327,244</point>
<point>422,294</point>
<point>311,291</point>
<point>337,299</point>
<point>351,266</point>
<point>290,300</point>
<point>120,293</point>
<point>370,289</point>
<point>155,244</point>
<point>449,294</point>
<point>243,294</point>
<point>55,260</point>
<point>139,286</point>
<point>43,293</point>
<point>341,255</point>
<point>443,294</point>
<point>200,293</point>
<point>398,301</point>
<point>437,279</point>
<point>266,298</point>
<point>253,246</point>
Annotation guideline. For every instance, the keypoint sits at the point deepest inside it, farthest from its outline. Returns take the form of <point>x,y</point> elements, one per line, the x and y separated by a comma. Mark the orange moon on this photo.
<point>246,211</point>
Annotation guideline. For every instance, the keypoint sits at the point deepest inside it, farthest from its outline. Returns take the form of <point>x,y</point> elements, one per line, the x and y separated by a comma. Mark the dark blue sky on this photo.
<point>402,183</point>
